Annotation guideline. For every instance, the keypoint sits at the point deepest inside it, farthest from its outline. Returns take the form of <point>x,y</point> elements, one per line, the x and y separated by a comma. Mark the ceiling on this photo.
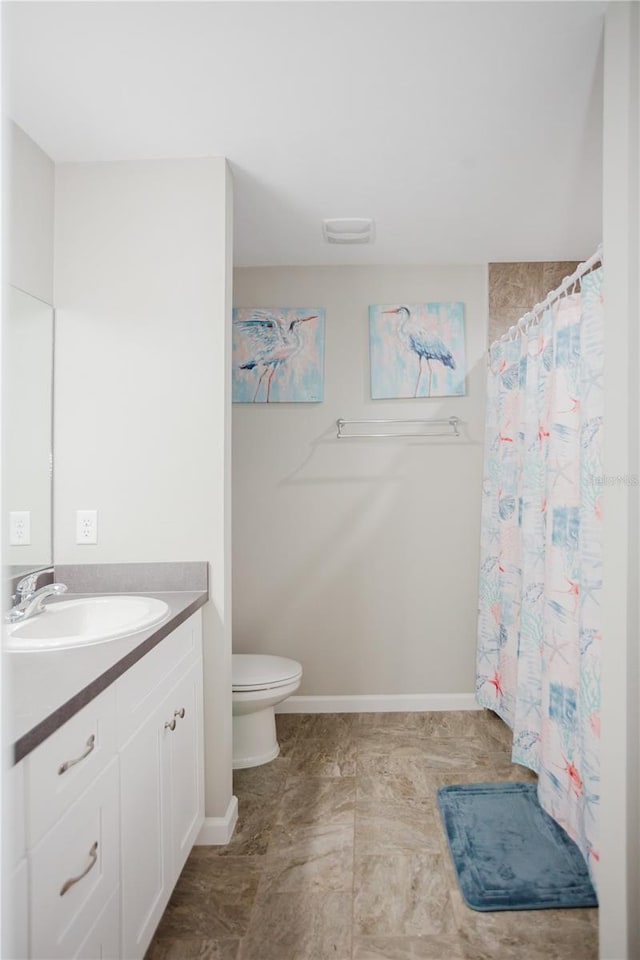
<point>469,131</point>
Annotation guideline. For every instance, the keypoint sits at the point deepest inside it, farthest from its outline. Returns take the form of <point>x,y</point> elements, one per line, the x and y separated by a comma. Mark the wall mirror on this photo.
<point>28,433</point>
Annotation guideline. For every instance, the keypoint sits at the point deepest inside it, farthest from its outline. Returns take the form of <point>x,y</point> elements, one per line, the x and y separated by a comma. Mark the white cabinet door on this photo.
<point>186,775</point>
<point>162,807</point>
<point>144,834</point>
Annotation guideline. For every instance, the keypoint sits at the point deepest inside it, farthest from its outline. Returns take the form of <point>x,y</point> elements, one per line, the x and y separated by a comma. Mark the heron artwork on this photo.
<point>417,350</point>
<point>277,355</point>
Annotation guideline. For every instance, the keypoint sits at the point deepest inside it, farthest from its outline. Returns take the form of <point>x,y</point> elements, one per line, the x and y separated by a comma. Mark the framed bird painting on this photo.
<point>278,354</point>
<point>417,350</point>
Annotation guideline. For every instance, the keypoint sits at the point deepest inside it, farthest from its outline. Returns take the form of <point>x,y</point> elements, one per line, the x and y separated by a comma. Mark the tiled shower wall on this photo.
<point>515,288</point>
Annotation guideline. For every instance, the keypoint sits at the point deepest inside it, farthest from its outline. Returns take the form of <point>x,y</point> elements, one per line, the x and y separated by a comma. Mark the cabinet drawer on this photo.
<point>142,688</point>
<point>64,765</point>
<point>74,870</point>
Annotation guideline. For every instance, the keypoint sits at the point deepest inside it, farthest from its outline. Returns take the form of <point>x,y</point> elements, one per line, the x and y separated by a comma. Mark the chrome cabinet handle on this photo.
<point>171,724</point>
<point>93,854</point>
<point>91,743</point>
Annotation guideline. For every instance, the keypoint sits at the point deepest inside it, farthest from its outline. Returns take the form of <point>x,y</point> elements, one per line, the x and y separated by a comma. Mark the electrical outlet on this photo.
<point>19,528</point>
<point>86,526</point>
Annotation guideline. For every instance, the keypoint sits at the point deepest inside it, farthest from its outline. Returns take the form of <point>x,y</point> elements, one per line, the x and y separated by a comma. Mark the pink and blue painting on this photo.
<point>278,355</point>
<point>417,350</point>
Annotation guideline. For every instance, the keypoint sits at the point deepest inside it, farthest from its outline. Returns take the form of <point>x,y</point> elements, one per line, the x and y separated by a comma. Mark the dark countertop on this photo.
<point>50,686</point>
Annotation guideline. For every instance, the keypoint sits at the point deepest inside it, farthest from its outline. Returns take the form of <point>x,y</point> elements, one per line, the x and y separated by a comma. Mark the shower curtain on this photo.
<point>538,656</point>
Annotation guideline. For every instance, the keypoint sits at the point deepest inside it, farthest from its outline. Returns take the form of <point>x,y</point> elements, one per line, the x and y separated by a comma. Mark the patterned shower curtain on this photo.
<point>538,661</point>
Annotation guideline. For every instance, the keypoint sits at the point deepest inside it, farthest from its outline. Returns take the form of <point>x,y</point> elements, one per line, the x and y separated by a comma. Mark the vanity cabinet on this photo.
<point>113,802</point>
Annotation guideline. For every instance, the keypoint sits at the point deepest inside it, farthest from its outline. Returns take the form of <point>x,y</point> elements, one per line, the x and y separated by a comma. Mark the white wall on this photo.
<point>360,558</point>
<point>142,295</point>
<point>30,259</point>
<point>619,884</point>
<point>26,439</point>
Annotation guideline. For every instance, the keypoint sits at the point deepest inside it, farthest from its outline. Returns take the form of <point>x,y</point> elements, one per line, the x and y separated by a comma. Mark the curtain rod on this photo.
<point>530,318</point>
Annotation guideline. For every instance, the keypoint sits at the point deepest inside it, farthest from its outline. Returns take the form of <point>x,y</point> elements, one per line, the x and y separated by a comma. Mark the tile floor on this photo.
<point>339,853</point>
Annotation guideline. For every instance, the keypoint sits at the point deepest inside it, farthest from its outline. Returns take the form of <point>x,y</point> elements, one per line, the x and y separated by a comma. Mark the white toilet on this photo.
<point>259,682</point>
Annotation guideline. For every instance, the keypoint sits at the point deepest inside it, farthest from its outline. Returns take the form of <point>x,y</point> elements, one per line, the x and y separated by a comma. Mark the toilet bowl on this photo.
<point>259,683</point>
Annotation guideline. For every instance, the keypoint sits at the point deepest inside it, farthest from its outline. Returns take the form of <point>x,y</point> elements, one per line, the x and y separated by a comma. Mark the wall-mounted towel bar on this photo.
<point>452,422</point>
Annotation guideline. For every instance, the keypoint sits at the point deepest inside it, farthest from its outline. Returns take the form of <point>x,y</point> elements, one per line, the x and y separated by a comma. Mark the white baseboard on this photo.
<point>216,831</point>
<point>382,703</point>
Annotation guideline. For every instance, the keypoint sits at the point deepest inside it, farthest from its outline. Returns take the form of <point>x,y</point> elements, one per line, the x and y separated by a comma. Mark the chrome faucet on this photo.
<point>31,600</point>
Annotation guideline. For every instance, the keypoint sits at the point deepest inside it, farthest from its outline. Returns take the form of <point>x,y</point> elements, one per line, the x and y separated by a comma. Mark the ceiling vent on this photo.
<point>349,230</point>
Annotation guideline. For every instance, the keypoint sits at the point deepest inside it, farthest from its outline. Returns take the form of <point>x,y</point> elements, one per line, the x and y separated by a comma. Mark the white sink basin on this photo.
<point>77,623</point>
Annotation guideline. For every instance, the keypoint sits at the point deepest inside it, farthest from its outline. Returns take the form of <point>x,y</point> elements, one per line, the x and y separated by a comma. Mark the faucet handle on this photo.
<point>58,588</point>
<point>27,586</point>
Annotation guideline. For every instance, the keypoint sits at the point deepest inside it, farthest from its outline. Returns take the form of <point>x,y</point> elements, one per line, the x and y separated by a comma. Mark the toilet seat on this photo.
<point>250,671</point>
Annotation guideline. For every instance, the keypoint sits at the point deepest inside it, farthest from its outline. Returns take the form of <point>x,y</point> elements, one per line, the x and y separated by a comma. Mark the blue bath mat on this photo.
<point>508,853</point>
